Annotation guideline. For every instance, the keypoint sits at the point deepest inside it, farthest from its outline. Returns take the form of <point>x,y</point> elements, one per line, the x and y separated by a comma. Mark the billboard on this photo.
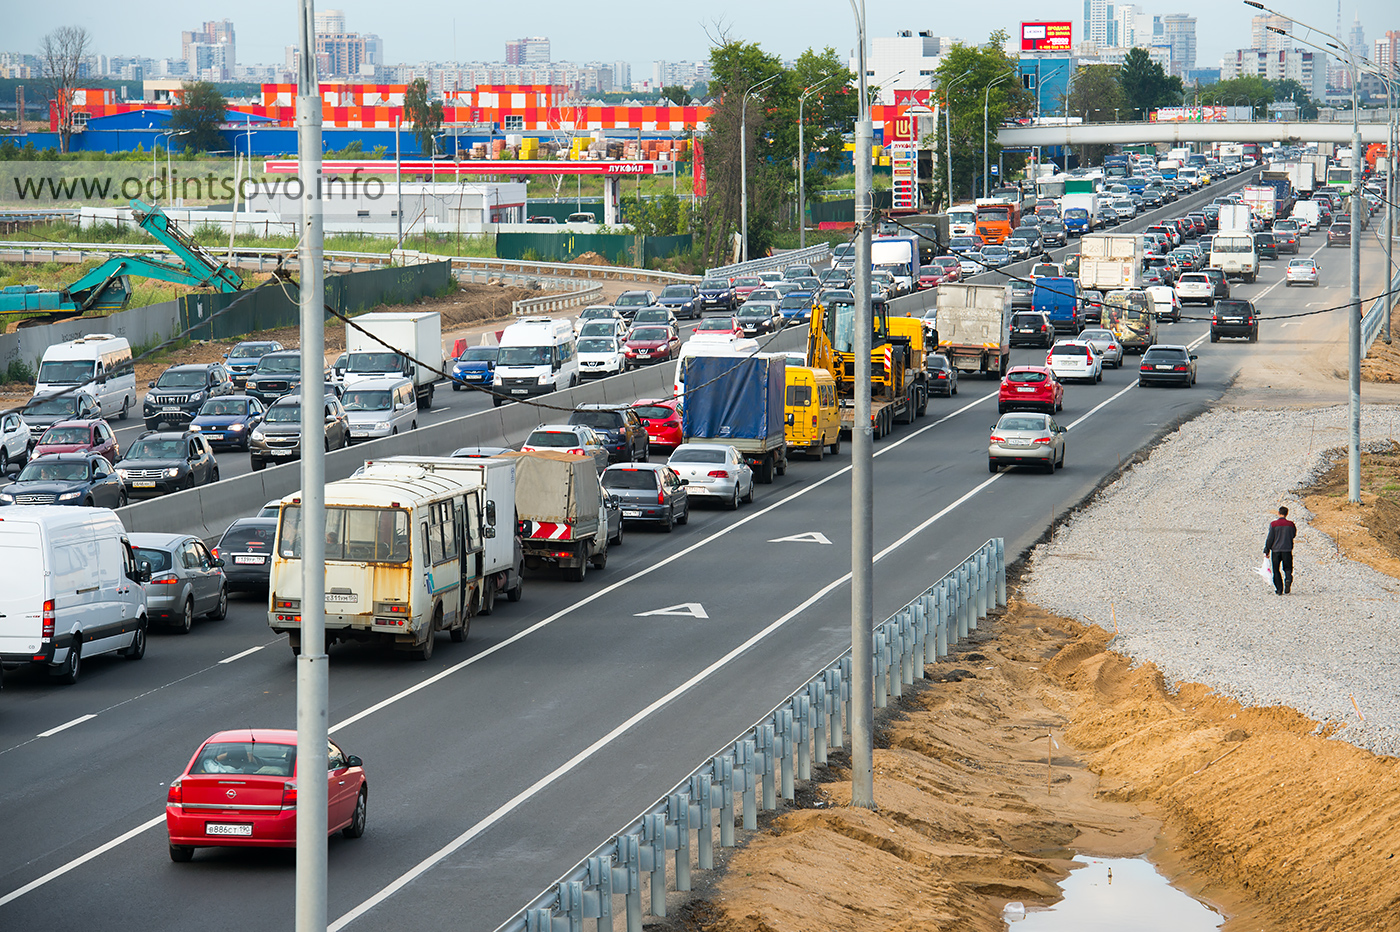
<point>1046,37</point>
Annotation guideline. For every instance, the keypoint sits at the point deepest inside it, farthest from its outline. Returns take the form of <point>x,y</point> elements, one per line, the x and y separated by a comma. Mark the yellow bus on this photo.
<point>813,415</point>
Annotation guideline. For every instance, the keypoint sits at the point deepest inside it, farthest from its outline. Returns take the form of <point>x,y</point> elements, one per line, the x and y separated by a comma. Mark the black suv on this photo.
<point>167,461</point>
<point>630,302</point>
<point>1234,317</point>
<point>176,397</point>
<point>276,374</point>
<point>1032,328</point>
<point>618,426</point>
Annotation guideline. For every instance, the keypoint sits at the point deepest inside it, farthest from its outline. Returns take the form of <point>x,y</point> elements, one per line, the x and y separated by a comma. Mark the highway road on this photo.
<point>497,765</point>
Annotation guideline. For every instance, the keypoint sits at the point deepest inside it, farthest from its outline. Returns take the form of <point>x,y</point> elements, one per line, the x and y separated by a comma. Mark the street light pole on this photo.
<point>744,165</point>
<point>1354,321</point>
<point>802,164</point>
<point>986,101</point>
<point>948,130</point>
<point>862,463</point>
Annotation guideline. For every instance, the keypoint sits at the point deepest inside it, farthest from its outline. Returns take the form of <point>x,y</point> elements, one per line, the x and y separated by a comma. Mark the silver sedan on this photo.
<point>713,471</point>
<point>1106,345</point>
<point>1025,439</point>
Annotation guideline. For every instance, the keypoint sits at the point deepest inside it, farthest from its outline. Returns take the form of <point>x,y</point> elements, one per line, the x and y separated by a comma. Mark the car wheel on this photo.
<point>327,443</point>
<point>126,409</point>
<point>733,504</point>
<point>181,854</point>
<point>669,521</point>
<point>186,620</point>
<point>425,650</point>
<point>578,573</point>
<point>220,611</point>
<point>214,475</point>
<point>1214,338</point>
<point>488,601</point>
<point>137,648</point>
<point>87,502</point>
<point>356,828</point>
<point>1050,466</point>
<point>456,387</point>
<point>122,498</point>
<point>600,559</point>
<point>685,515</point>
<point>258,465</point>
<point>73,666</point>
<point>617,539</point>
<point>991,465</point>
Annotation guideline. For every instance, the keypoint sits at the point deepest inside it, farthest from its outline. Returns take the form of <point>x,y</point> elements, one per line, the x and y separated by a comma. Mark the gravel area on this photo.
<point>1172,550</point>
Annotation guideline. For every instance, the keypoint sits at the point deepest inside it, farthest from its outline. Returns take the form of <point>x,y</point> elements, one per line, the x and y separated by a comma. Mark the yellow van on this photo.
<point>813,415</point>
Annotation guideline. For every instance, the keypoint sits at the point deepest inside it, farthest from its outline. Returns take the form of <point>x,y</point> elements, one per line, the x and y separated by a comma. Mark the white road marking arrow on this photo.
<point>685,609</point>
<point>811,537</point>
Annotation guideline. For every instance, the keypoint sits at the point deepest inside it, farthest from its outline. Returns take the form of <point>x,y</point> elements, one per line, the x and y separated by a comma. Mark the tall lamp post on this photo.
<point>862,462</point>
<point>168,134</point>
<point>986,102</point>
<point>744,164</point>
<point>802,163</point>
<point>1354,323</point>
<point>948,128</point>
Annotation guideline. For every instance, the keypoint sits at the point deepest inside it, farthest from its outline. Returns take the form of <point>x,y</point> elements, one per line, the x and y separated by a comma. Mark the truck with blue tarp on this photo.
<point>739,401</point>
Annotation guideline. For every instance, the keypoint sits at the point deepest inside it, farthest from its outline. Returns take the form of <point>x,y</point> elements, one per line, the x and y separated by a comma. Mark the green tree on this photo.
<point>1004,98</point>
<point>1095,95</point>
<point>676,95</point>
<point>658,216</point>
<point>200,113</point>
<point>425,115</point>
<point>1245,91</point>
<point>1145,85</point>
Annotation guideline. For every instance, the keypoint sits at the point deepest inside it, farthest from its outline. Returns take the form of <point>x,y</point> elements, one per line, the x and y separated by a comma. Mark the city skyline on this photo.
<point>266,28</point>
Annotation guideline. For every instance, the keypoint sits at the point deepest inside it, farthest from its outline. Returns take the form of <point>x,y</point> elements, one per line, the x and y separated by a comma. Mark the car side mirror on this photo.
<point>353,761</point>
<point>217,561</point>
<point>490,512</point>
<point>1193,355</point>
<point>685,482</point>
<point>150,384</point>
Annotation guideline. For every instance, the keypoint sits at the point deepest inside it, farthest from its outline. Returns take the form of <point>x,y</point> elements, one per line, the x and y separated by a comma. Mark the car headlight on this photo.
<point>196,427</point>
<point>122,473</point>
<point>496,380</point>
<point>237,426</point>
<point>381,425</point>
<point>172,472</point>
<point>257,435</point>
<point>68,496</point>
<point>6,498</point>
<point>546,379</point>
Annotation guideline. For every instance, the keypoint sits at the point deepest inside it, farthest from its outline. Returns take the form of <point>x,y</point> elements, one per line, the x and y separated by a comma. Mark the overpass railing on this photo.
<point>775,263</point>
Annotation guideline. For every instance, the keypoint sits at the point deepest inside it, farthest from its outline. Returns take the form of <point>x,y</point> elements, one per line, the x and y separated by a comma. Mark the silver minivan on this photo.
<point>380,408</point>
<point>72,589</point>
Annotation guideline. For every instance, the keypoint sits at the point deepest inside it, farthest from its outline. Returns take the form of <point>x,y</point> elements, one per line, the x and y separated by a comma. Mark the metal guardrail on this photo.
<point>552,270</point>
<point>818,253</point>
<point>555,302</point>
<point>1374,318</point>
<point>763,761</point>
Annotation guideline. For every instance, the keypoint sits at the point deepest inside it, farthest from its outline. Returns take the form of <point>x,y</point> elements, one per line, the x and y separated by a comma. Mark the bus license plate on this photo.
<point>342,597</point>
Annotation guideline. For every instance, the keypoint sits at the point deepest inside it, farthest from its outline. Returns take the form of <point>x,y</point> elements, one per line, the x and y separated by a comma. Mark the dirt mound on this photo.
<point>1368,532</point>
<point>589,258</point>
<point>1382,363</point>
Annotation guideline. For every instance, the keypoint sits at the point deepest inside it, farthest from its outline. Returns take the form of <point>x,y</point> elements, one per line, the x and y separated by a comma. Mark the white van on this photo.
<point>380,408</point>
<point>538,356</point>
<point>72,589</point>
<point>101,357</point>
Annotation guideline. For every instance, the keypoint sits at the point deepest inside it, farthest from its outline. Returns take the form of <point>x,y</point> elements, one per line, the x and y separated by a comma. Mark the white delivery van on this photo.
<point>72,588</point>
<point>100,360</point>
<point>380,407</point>
<point>538,355</point>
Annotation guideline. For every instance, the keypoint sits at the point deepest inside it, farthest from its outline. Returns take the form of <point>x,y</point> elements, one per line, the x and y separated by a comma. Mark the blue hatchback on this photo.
<point>477,366</point>
<point>229,420</point>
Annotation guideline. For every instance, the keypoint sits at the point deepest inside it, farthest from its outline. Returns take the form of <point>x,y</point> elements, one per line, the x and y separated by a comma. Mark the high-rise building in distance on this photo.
<point>1179,32</point>
<point>530,51</point>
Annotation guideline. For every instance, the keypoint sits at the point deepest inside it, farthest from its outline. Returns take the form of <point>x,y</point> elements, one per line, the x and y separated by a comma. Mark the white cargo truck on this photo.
<point>974,327</point>
<point>1111,260</point>
<point>1234,253</point>
<point>395,343</point>
<point>1234,218</point>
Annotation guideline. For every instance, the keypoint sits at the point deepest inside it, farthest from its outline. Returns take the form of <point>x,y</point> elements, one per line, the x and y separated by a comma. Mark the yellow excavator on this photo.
<point>897,373</point>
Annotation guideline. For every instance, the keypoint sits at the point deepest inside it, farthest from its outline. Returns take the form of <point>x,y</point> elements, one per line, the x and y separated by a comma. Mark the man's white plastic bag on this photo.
<point>1266,572</point>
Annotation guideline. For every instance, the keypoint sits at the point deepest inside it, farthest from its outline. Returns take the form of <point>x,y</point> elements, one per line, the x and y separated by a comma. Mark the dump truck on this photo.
<point>974,327</point>
<point>738,400</point>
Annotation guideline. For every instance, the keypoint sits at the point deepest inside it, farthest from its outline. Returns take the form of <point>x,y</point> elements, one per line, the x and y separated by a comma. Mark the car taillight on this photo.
<point>718,474</point>
<point>1041,440</point>
<point>660,496</point>
<point>1183,368</point>
<point>215,552</point>
<point>174,794</point>
<point>289,794</point>
<point>1145,368</point>
<point>996,439</point>
<point>165,579</point>
<point>575,451</point>
<point>48,619</point>
<point>1043,328</point>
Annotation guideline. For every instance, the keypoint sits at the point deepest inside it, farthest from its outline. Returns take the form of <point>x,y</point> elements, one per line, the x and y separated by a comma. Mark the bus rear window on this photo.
<point>353,535</point>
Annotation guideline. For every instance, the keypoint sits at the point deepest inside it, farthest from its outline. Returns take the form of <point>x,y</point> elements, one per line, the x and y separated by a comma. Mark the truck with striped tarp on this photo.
<point>559,511</point>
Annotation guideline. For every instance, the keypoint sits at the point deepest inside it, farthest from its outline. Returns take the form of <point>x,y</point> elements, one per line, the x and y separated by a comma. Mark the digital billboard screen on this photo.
<point>1046,37</point>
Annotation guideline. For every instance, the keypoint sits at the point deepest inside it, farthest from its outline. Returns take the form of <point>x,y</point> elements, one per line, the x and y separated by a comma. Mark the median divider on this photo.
<point>207,511</point>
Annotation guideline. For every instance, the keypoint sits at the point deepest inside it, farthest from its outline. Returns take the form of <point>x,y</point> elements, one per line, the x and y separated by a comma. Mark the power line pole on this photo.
<point>313,673</point>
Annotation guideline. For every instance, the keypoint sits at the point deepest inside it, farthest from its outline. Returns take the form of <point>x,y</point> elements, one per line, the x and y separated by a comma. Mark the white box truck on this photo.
<point>418,333</point>
<point>974,327</point>
<point>1111,260</point>
<point>898,255</point>
<point>1234,218</point>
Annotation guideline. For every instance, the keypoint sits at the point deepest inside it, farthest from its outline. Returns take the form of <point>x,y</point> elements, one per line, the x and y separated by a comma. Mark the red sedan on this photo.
<point>952,268</point>
<point>650,344</point>
<point>86,436</point>
<point>1030,388</point>
<point>240,790</point>
<point>720,325</point>
<point>662,419</point>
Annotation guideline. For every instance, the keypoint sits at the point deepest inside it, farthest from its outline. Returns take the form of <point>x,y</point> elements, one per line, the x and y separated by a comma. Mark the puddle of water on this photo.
<point>1112,894</point>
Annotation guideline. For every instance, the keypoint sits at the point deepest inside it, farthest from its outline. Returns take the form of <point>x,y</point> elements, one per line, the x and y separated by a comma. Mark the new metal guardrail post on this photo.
<point>920,635</point>
<point>783,745</point>
<point>629,857</point>
<point>802,726</point>
<point>678,836</point>
<point>1001,571</point>
<point>571,904</point>
<point>910,640</point>
<point>764,736</point>
<point>723,779</point>
<point>940,620</point>
<point>744,761</point>
<point>981,583</point>
<point>960,600</point>
<point>877,667</point>
<point>846,691</point>
<point>702,819</point>
<point>834,718</point>
<point>817,694</point>
<point>539,919</point>
<point>653,859</point>
<point>598,899</point>
<point>894,657</point>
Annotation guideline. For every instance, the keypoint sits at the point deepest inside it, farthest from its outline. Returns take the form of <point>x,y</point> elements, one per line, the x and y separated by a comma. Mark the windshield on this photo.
<point>188,378</point>
<point>1163,356</point>
<point>223,407</point>
<point>692,455</point>
<point>66,435</point>
<point>600,420</point>
<point>794,301</point>
<point>173,449</point>
<point>961,216</point>
<point>357,535</point>
<point>52,406</point>
<point>41,471</point>
<point>653,314</point>
<point>256,539</point>
<point>373,362</point>
<point>750,283</point>
<point>279,364</point>
<point>757,310</point>
<point>1025,377</point>
<point>251,350</point>
<point>378,400</point>
<point>632,300</point>
<point>68,372</point>
<point>711,284</point>
<point>644,479</point>
<point>651,334</point>
<point>480,354</point>
<point>677,291</point>
<point>597,345</point>
<point>524,356</point>
<point>598,327</point>
<point>284,414</point>
<point>1232,244</point>
<point>653,412</point>
<point>589,313</point>
<point>765,294</point>
<point>963,242</point>
<point>553,438</point>
<point>1021,423</point>
<point>1095,335</point>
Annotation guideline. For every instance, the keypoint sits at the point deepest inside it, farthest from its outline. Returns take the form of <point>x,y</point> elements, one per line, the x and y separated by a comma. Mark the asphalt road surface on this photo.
<point>497,765</point>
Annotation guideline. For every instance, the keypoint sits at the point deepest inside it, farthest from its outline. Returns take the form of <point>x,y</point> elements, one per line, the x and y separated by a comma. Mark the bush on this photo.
<point>19,371</point>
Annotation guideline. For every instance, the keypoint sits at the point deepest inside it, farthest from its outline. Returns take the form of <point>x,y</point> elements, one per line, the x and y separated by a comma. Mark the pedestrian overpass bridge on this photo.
<point>1089,134</point>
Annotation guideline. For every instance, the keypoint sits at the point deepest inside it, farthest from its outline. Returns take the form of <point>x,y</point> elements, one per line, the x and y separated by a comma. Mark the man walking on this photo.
<point>1278,547</point>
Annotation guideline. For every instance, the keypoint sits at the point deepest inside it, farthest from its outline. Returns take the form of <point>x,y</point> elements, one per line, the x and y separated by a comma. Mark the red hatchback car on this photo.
<point>1030,388</point>
<point>240,790</point>
<point>87,436</point>
<point>662,419</point>
<point>647,344</point>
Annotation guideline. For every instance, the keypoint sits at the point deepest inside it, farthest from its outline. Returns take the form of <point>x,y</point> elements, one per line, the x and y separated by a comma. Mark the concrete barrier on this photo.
<point>207,511</point>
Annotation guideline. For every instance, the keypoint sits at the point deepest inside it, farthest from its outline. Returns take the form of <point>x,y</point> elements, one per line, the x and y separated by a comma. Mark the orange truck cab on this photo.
<point>996,219</point>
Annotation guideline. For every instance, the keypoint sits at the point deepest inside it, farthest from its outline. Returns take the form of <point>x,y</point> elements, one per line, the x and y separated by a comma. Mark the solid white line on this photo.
<point>53,731</point>
<point>251,650</point>
<point>76,862</point>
